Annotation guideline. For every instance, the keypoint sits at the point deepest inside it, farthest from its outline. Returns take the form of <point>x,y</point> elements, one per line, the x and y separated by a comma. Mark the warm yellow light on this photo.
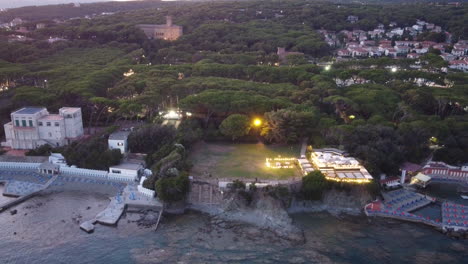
<point>257,122</point>
<point>280,163</point>
<point>129,73</point>
<point>351,117</point>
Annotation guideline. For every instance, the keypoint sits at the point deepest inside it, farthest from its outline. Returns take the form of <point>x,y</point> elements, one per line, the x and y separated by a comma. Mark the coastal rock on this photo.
<point>148,218</point>
<point>335,202</point>
<point>175,207</point>
<point>262,211</point>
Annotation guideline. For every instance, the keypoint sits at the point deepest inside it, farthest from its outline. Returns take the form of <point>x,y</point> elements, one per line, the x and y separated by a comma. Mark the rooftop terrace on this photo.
<point>28,110</point>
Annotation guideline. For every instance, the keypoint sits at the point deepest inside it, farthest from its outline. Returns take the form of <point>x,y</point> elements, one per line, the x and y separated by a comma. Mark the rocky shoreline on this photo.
<point>267,213</point>
<point>206,238</point>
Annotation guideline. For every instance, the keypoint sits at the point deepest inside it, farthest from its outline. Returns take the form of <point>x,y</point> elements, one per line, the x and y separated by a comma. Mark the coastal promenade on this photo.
<point>23,181</point>
<point>454,216</point>
<point>378,209</point>
<point>398,205</point>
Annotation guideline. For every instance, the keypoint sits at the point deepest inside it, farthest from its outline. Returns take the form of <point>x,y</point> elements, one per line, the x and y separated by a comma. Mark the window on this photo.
<point>23,122</point>
<point>48,123</point>
<point>30,123</point>
<point>116,171</point>
<point>39,123</point>
<point>57,124</point>
<point>17,123</point>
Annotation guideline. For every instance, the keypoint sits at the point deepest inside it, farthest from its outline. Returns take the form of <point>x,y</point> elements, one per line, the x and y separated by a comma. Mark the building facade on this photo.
<point>167,31</point>
<point>31,127</point>
<point>118,140</point>
<point>128,171</point>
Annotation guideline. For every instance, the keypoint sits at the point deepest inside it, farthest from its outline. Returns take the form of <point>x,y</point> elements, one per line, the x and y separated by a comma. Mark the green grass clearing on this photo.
<point>241,161</point>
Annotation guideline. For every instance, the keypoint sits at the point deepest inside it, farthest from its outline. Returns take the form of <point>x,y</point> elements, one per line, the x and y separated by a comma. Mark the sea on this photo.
<point>45,229</point>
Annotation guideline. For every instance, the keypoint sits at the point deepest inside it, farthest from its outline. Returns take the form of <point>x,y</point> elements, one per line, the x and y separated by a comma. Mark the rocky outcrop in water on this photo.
<point>261,210</point>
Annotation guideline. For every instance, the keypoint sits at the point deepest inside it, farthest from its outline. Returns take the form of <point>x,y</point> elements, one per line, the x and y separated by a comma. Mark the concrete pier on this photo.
<point>88,226</point>
<point>112,214</point>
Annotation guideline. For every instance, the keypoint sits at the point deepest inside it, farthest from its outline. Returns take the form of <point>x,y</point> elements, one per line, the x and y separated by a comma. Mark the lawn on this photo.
<point>241,161</point>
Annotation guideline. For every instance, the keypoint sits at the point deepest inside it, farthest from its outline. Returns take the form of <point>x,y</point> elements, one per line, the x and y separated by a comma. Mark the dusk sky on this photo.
<point>19,3</point>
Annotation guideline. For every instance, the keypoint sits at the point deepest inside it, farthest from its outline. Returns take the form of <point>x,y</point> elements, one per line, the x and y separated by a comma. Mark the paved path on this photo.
<point>303,147</point>
<point>204,193</point>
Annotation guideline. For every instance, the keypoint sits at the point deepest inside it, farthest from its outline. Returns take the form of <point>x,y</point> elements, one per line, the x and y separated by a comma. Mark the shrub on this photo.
<point>173,189</point>
<point>91,154</point>
<point>237,185</point>
<point>313,185</point>
<point>43,150</point>
<point>279,191</point>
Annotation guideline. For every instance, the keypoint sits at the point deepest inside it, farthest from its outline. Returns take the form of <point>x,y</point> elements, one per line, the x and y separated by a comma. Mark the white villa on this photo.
<point>31,127</point>
<point>129,171</point>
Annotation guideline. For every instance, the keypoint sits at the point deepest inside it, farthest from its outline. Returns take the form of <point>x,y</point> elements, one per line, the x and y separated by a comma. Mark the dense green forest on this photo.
<point>224,65</point>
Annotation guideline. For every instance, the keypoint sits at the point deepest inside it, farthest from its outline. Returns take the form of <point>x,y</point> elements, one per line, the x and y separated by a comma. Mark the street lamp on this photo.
<point>257,122</point>
<point>327,68</point>
<point>394,69</point>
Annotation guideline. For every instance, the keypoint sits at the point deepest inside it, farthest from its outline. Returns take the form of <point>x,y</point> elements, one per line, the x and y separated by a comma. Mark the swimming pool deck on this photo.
<point>24,184</point>
<point>454,216</point>
<point>398,205</point>
<point>24,192</point>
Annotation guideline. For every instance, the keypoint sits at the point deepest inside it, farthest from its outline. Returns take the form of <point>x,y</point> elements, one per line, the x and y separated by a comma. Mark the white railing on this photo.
<point>83,172</point>
<point>70,171</point>
<point>145,191</point>
<point>120,177</point>
<point>19,165</point>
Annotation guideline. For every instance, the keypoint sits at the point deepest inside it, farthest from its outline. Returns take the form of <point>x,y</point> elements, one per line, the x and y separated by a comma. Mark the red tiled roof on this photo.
<point>458,62</point>
<point>408,166</point>
<point>389,180</point>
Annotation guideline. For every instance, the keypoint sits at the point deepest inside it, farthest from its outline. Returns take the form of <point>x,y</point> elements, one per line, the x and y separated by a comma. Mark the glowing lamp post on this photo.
<point>327,68</point>
<point>394,69</point>
<point>257,122</point>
